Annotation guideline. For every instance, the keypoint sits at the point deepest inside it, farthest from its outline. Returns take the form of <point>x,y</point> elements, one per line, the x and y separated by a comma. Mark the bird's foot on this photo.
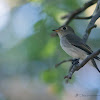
<point>68,77</point>
<point>75,61</point>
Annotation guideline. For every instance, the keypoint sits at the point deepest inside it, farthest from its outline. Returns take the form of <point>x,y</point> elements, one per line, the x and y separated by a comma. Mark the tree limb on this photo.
<point>91,56</point>
<point>91,24</point>
<point>78,17</point>
<point>73,14</point>
<point>77,66</point>
<point>63,62</point>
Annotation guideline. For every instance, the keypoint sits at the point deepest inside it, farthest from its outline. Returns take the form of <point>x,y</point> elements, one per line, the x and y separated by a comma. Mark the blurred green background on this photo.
<point>28,53</point>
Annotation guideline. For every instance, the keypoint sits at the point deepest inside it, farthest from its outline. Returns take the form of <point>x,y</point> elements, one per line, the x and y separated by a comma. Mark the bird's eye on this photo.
<point>64,28</point>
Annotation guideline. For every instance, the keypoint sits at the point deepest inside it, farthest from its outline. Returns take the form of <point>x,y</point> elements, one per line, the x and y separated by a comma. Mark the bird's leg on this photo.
<point>75,61</point>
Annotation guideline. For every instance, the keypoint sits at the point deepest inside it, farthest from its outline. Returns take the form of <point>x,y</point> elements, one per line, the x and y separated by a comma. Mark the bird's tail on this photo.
<point>97,58</point>
<point>95,65</point>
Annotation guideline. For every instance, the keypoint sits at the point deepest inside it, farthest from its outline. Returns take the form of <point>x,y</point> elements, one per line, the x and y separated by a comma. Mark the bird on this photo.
<point>74,46</point>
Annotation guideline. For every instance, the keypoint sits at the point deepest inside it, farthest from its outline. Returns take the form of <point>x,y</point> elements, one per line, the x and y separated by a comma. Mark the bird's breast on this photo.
<point>71,50</point>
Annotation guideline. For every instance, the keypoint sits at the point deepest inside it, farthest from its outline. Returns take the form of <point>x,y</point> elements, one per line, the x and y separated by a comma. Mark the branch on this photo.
<point>73,14</point>
<point>63,62</point>
<point>91,56</point>
<point>91,25</point>
<point>77,66</point>
<point>78,17</point>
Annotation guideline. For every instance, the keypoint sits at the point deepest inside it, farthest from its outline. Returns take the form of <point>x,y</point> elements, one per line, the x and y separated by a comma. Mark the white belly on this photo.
<point>72,50</point>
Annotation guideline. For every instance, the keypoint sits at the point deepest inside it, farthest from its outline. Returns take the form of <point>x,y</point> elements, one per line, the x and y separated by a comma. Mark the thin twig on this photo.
<point>78,11</point>
<point>74,14</point>
<point>70,60</point>
<point>91,25</point>
<point>78,17</point>
<point>72,70</point>
<point>88,31</point>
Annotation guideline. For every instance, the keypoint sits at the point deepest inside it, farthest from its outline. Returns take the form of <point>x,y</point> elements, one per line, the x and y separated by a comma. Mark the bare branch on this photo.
<point>94,54</point>
<point>70,60</point>
<point>91,25</point>
<point>72,70</point>
<point>73,14</point>
<point>88,31</point>
<point>78,17</point>
<point>77,66</point>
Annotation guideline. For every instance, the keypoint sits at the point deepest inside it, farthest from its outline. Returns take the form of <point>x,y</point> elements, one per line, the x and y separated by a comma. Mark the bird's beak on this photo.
<point>56,30</point>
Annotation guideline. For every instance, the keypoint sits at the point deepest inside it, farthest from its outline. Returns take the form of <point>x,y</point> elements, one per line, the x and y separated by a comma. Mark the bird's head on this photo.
<point>64,30</point>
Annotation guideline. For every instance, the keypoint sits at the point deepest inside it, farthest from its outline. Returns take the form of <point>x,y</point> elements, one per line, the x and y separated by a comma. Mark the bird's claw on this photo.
<point>68,77</point>
<point>75,61</point>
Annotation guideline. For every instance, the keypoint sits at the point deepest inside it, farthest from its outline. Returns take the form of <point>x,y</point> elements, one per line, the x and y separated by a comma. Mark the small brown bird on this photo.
<point>74,45</point>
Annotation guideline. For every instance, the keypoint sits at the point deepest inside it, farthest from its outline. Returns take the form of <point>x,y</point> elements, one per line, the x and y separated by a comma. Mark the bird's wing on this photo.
<point>78,42</point>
